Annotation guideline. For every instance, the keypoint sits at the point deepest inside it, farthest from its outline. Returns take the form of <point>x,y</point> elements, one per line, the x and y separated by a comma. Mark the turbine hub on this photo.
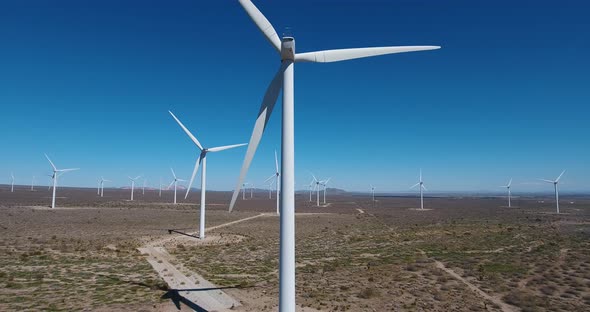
<point>288,48</point>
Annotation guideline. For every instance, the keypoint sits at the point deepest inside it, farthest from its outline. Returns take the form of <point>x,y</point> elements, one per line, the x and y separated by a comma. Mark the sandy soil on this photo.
<point>352,255</point>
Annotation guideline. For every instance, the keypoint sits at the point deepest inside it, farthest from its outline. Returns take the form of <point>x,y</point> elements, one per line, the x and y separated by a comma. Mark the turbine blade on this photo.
<point>272,176</point>
<point>424,187</point>
<point>173,174</point>
<point>509,183</point>
<point>190,184</point>
<point>263,24</point>
<point>52,165</point>
<point>169,186</point>
<point>560,176</point>
<point>349,54</point>
<point>66,170</point>
<point>222,148</point>
<point>326,182</point>
<point>137,177</point>
<point>548,181</point>
<point>268,103</point>
<point>187,132</point>
<point>413,186</point>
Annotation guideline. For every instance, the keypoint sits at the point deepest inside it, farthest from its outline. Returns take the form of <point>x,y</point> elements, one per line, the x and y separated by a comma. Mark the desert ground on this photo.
<point>460,254</point>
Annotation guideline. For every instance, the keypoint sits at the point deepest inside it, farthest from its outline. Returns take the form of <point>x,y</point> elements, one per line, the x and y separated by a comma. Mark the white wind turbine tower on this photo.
<point>324,183</point>
<point>143,188</point>
<point>372,191</point>
<point>311,184</point>
<point>175,182</point>
<point>244,191</point>
<point>133,184</point>
<point>202,158</point>
<point>317,184</point>
<point>56,173</point>
<point>11,182</point>
<point>285,77</point>
<point>508,187</point>
<point>422,188</point>
<point>33,184</point>
<point>160,188</point>
<point>277,176</point>
<point>102,181</point>
<point>555,187</point>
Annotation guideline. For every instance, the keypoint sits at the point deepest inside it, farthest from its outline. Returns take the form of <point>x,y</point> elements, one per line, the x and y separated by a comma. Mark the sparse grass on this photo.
<point>345,262</point>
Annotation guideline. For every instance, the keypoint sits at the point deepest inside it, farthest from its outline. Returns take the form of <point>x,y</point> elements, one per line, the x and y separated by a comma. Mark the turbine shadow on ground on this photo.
<point>177,298</point>
<point>170,231</point>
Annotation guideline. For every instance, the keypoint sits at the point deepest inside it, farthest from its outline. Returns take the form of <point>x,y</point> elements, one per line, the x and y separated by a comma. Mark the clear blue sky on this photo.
<point>90,83</point>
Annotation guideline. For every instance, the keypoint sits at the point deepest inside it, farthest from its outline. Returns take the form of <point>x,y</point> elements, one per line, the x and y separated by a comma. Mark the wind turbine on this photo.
<point>33,184</point>
<point>175,182</point>
<point>102,181</point>
<point>555,187</point>
<point>202,158</point>
<point>160,188</point>
<point>285,76</point>
<point>11,182</point>
<point>133,184</point>
<point>508,187</point>
<point>56,173</point>
<point>422,187</point>
<point>277,176</point>
<point>143,188</point>
<point>317,183</point>
<point>372,191</point>
<point>324,183</point>
<point>244,191</point>
<point>311,184</point>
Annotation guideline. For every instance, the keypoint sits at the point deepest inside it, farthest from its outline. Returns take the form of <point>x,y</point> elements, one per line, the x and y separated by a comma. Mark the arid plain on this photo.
<point>460,254</point>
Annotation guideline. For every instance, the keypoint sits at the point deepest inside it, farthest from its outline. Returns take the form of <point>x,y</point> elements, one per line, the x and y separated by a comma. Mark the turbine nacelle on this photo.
<point>288,48</point>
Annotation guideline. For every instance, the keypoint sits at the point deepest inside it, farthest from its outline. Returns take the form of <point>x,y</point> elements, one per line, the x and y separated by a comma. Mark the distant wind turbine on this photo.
<point>244,191</point>
<point>372,192</point>
<point>311,184</point>
<point>160,188</point>
<point>175,183</point>
<point>318,185</point>
<point>143,188</point>
<point>102,181</point>
<point>324,184</point>
<point>133,184</point>
<point>11,182</point>
<point>277,176</point>
<point>508,187</point>
<point>33,184</point>
<point>556,190</point>
<point>421,187</point>
<point>285,79</point>
<point>202,158</point>
<point>56,173</point>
